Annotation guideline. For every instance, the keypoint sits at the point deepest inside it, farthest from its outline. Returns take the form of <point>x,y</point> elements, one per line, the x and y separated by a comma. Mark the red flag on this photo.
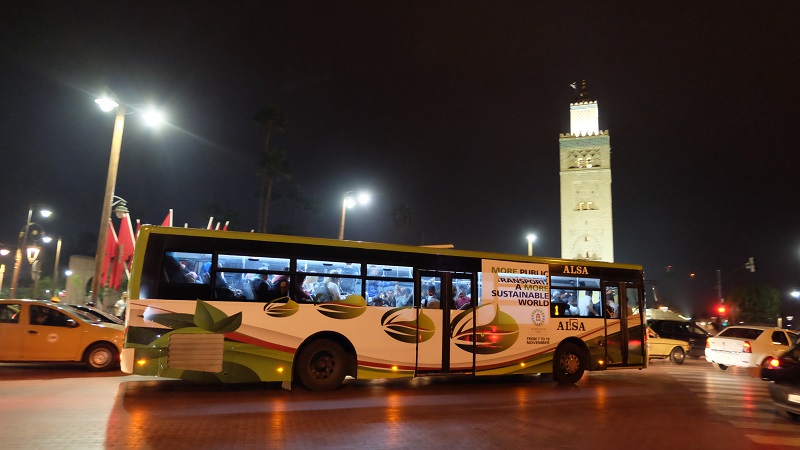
<point>225,228</point>
<point>210,222</point>
<point>111,252</point>
<point>127,242</point>
<point>168,220</point>
<point>138,227</point>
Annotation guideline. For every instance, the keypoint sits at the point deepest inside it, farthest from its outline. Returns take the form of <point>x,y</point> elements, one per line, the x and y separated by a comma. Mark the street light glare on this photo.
<point>106,104</point>
<point>153,118</point>
<point>45,213</point>
<point>47,239</point>
<point>364,198</point>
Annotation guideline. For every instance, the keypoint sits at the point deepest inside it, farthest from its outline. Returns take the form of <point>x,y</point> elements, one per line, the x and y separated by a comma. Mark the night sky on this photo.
<point>453,108</point>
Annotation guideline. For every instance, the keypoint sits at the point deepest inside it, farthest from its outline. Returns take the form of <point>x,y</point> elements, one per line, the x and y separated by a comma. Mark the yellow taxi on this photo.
<point>41,330</point>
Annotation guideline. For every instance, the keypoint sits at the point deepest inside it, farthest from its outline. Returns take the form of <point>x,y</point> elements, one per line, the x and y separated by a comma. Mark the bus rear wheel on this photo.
<point>568,364</point>
<point>321,365</point>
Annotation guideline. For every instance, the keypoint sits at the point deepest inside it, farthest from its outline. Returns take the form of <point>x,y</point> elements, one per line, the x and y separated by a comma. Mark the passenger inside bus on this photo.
<point>261,286</point>
<point>431,301</point>
<point>299,293</point>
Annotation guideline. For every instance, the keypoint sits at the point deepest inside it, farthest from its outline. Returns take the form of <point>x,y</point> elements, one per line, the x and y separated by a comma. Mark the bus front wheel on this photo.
<point>568,364</point>
<point>321,365</point>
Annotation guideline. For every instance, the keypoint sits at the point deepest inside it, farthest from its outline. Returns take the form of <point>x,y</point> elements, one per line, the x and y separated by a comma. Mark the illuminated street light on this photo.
<point>350,201</point>
<point>23,244</point>
<point>531,238</point>
<point>795,293</point>
<point>107,104</point>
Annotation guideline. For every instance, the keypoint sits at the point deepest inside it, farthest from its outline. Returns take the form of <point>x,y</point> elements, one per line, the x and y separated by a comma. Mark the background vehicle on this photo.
<point>39,330</point>
<point>661,348</point>
<point>99,314</point>
<point>748,346</point>
<point>683,331</point>
<point>196,311</point>
<point>784,371</point>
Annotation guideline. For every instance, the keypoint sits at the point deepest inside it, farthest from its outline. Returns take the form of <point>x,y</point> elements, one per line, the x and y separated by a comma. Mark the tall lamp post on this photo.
<point>23,240</point>
<point>350,201</point>
<point>47,240</point>
<point>531,238</point>
<point>107,104</point>
<point>152,118</point>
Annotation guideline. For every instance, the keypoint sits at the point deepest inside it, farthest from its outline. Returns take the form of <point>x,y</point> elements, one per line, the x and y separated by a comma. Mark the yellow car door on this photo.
<point>51,335</point>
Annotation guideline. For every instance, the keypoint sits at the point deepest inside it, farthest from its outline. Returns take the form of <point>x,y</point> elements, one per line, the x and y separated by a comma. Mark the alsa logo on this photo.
<point>576,270</point>
<point>570,325</point>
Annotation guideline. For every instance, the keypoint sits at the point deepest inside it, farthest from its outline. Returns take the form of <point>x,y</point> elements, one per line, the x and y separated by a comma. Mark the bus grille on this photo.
<point>201,352</point>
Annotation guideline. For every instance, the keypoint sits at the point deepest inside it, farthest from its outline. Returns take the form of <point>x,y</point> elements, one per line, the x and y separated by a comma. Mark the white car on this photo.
<point>748,346</point>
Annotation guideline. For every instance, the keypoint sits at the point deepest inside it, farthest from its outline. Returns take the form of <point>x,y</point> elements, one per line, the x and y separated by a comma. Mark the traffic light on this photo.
<point>751,264</point>
<point>721,309</point>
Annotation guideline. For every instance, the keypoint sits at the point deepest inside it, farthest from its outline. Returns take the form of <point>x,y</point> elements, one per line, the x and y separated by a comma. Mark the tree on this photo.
<point>402,217</point>
<point>272,167</point>
<point>755,304</point>
<point>272,164</point>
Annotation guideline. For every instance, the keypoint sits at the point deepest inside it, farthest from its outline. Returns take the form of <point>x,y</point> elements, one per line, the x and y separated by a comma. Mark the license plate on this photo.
<point>794,398</point>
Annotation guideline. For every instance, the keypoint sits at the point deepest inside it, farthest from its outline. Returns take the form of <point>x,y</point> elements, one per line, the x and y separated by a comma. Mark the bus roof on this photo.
<point>431,250</point>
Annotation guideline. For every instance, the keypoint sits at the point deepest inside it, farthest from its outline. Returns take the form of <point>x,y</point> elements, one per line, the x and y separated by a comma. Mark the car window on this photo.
<point>9,313</point>
<point>43,315</point>
<point>793,338</point>
<point>694,329</point>
<point>744,333</point>
<point>778,337</point>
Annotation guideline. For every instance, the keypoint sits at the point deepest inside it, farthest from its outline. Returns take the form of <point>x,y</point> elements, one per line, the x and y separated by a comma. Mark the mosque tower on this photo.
<point>585,170</point>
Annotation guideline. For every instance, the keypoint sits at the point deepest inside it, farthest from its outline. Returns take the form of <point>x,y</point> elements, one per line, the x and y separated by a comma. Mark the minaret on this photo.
<point>585,158</point>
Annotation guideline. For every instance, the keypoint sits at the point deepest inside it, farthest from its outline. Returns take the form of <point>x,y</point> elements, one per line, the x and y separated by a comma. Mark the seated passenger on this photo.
<point>261,286</point>
<point>280,287</point>
<point>404,299</point>
<point>328,291</point>
<point>299,294</point>
<point>432,300</point>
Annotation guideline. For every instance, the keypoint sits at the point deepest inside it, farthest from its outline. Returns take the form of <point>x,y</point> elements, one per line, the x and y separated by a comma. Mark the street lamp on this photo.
<point>47,240</point>
<point>531,238</point>
<point>795,293</point>
<point>23,241</point>
<point>107,104</point>
<point>350,201</point>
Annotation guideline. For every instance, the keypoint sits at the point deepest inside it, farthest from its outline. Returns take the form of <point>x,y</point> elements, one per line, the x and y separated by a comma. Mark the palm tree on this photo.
<point>270,166</point>
<point>402,217</point>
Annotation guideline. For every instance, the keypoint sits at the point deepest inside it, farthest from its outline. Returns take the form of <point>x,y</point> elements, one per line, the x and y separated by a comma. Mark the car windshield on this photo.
<point>96,314</point>
<point>744,333</point>
<point>84,315</point>
<point>793,353</point>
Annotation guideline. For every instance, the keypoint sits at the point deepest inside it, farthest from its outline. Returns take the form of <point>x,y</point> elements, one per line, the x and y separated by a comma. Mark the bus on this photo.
<point>226,306</point>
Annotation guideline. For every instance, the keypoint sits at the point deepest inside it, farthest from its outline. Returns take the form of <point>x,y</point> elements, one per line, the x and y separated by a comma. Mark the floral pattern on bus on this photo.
<point>281,307</point>
<point>403,324</point>
<point>206,318</point>
<point>494,331</point>
<point>349,308</point>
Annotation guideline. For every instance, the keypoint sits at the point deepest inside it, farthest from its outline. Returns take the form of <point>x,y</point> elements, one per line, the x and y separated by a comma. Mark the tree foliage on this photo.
<point>755,304</point>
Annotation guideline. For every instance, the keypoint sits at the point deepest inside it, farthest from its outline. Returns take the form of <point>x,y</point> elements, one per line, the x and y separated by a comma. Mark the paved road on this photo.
<point>663,407</point>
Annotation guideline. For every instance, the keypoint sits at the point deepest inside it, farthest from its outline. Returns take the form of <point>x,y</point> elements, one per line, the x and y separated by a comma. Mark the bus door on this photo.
<point>622,306</point>
<point>438,304</point>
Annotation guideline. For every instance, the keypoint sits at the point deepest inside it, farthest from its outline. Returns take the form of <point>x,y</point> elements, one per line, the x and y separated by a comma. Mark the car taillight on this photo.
<point>746,347</point>
<point>775,362</point>
<point>708,344</point>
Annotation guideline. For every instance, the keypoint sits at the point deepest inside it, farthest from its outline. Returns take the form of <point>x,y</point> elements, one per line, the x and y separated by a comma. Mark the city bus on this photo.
<point>225,306</point>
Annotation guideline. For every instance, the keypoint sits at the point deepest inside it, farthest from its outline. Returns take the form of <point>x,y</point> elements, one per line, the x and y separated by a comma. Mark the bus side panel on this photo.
<point>263,347</point>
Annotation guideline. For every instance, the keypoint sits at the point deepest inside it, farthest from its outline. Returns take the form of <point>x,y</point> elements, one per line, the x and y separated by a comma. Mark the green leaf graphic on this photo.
<point>349,308</point>
<point>281,307</point>
<point>175,321</point>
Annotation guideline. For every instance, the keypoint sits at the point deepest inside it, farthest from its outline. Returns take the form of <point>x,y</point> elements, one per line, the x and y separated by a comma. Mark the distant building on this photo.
<point>585,167</point>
